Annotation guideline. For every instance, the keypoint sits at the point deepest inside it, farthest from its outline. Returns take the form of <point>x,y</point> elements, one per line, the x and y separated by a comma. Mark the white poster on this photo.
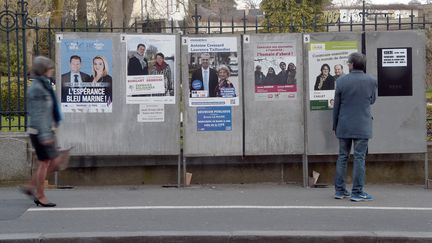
<point>151,113</point>
<point>327,62</point>
<point>394,57</point>
<point>150,57</point>
<point>214,70</point>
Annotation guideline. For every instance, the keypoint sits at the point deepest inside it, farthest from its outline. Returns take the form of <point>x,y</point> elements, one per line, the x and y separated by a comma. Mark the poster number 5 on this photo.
<point>306,38</point>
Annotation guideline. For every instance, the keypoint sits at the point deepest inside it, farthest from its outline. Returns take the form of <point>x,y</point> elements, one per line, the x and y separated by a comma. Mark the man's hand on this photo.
<point>47,141</point>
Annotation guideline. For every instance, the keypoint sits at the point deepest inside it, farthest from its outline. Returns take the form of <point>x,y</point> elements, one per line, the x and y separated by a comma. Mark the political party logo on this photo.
<point>197,84</point>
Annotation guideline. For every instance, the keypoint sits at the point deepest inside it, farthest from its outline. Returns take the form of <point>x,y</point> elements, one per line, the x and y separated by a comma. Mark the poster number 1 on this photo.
<point>59,38</point>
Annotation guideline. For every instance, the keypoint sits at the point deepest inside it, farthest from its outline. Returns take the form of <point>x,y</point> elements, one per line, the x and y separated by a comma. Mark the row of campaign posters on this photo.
<point>88,83</point>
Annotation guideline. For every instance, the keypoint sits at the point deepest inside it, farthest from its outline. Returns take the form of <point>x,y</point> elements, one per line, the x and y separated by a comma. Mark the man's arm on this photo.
<point>336,107</point>
<point>130,67</point>
<point>373,96</point>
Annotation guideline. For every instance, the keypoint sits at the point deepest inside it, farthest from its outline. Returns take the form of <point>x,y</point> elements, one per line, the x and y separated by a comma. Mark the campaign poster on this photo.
<point>151,69</point>
<point>216,118</point>
<point>395,71</point>
<point>275,71</point>
<point>327,62</point>
<point>213,71</point>
<point>151,113</point>
<point>86,75</point>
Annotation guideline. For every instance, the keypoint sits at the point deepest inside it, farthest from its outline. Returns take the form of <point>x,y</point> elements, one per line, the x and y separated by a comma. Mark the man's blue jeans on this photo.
<point>360,149</point>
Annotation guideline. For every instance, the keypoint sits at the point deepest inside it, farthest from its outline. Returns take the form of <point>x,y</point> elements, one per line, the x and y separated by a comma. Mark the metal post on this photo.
<point>49,42</point>
<point>426,168</point>
<point>412,18</point>
<point>172,26</point>
<point>220,23</point>
<point>142,11</point>
<point>363,17</point>
<point>388,24</point>
<point>24,52</point>
<point>256,24</point>
<point>56,179</point>
<point>184,171</point>
<point>305,161</point>
<point>196,17</point>
<point>376,22</point>
<point>179,171</point>
<point>244,21</point>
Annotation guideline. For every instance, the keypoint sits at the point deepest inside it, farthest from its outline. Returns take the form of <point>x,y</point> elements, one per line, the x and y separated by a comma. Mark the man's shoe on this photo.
<point>342,195</point>
<point>361,197</point>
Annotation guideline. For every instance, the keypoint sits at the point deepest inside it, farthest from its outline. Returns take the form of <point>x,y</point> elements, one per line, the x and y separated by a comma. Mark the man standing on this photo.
<point>338,69</point>
<point>352,122</point>
<point>205,78</point>
<point>282,76</point>
<point>75,77</point>
<point>259,76</point>
<point>138,64</point>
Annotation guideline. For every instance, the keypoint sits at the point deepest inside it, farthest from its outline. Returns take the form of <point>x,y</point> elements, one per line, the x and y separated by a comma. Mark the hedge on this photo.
<point>12,95</point>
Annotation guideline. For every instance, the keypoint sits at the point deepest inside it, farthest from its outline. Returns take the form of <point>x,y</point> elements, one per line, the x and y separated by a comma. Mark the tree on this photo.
<point>293,15</point>
<point>252,4</point>
<point>119,12</point>
<point>81,13</point>
<point>57,12</point>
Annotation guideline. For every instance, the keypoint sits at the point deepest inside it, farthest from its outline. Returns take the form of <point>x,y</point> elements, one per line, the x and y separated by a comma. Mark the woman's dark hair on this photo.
<point>160,54</point>
<point>325,65</point>
<point>41,65</point>
<point>358,60</point>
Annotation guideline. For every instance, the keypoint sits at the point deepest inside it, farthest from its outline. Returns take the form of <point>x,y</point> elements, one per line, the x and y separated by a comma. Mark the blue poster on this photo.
<point>86,75</point>
<point>214,118</point>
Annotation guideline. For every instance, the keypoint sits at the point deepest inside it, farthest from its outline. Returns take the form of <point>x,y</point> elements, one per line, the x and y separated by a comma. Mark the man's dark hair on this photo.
<point>74,57</point>
<point>358,60</point>
<point>138,46</point>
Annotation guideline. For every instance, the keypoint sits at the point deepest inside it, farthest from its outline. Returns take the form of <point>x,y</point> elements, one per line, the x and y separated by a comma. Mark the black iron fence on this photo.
<point>23,36</point>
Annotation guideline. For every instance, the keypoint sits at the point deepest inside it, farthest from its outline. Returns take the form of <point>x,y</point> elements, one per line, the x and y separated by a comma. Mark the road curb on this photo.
<point>221,237</point>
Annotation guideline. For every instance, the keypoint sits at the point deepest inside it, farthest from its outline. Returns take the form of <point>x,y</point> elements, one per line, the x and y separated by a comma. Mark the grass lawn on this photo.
<point>13,124</point>
<point>429,94</point>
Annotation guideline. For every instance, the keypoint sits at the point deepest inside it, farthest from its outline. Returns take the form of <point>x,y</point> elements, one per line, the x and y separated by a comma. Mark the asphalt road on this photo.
<point>218,213</point>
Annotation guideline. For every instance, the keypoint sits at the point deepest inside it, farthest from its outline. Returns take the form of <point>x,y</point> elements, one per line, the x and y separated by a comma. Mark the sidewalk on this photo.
<point>218,213</point>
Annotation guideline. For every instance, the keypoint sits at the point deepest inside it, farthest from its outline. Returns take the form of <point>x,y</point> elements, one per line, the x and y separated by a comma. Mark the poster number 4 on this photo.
<point>246,39</point>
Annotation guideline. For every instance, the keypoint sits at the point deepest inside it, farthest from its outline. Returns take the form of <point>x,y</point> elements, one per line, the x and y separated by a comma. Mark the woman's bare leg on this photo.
<point>40,176</point>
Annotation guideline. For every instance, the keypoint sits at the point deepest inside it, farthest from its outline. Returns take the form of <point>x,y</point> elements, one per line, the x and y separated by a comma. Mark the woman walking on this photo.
<point>45,116</point>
